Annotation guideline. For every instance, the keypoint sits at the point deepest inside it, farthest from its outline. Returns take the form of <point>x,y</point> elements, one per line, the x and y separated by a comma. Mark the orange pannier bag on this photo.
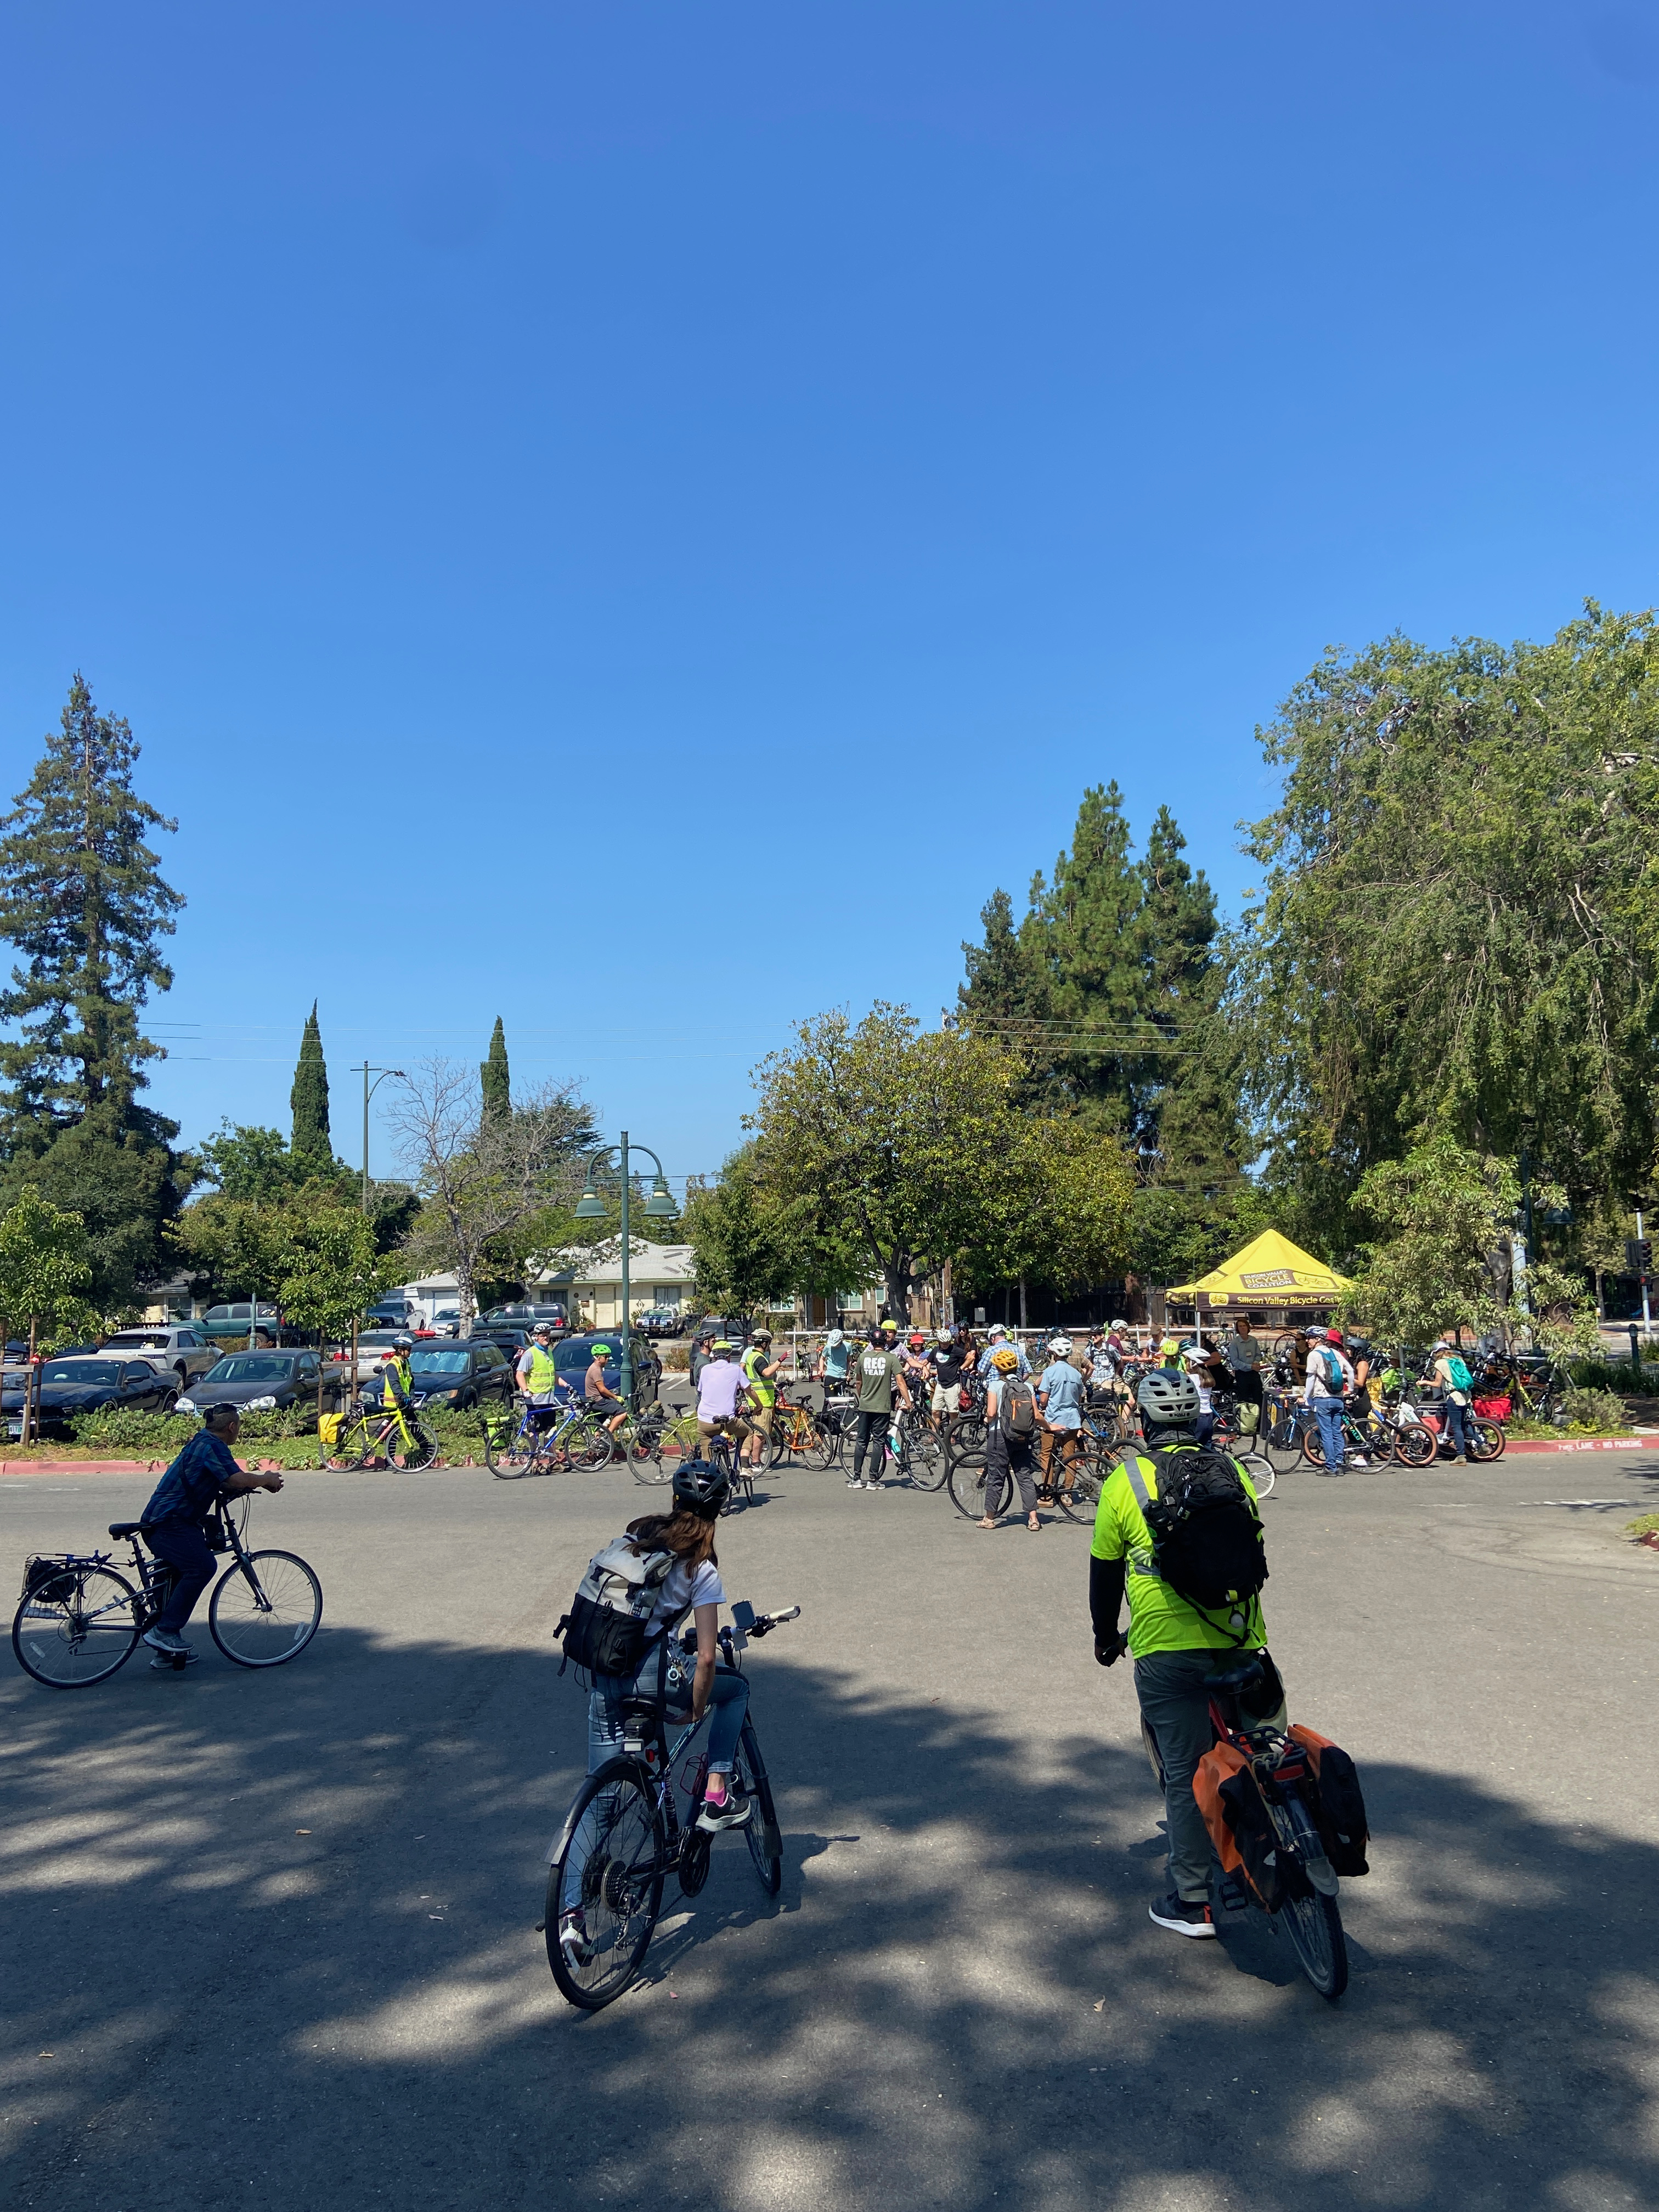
<point>1243,1837</point>
<point>1335,1800</point>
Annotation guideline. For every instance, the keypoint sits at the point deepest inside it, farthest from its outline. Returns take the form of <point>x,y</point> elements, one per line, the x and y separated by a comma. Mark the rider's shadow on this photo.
<point>688,1920</point>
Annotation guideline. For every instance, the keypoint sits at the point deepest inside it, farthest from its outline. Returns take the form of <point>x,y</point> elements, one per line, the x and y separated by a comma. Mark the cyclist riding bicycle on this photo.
<point>174,1523</point>
<point>1173,1643</point>
<point>719,1392</point>
<point>916,1367</point>
<point>760,1373</point>
<point>599,1393</point>
<point>693,1585</point>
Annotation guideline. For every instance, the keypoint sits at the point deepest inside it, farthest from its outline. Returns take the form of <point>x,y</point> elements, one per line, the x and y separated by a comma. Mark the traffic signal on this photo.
<point>1639,1257</point>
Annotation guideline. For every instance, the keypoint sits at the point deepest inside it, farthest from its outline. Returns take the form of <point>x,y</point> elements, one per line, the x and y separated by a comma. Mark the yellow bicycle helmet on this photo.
<point>1004,1359</point>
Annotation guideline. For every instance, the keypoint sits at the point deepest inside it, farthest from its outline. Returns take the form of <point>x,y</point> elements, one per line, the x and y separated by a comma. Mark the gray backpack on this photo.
<point>605,1631</point>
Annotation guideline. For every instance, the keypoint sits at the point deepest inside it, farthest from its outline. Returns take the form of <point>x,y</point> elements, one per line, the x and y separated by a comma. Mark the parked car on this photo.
<point>391,1313</point>
<point>526,1315</point>
<point>373,1346</point>
<point>511,1336</point>
<point>229,1324</point>
<point>574,1355</point>
<point>257,1382</point>
<point>84,1385</point>
<point>458,1375</point>
<point>186,1351</point>
<point>662,1321</point>
<point>446,1321</point>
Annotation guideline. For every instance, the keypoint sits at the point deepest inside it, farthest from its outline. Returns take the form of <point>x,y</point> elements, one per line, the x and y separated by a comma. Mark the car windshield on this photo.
<point>81,1371</point>
<point>249,1367</point>
<point>438,1362</point>
<point>138,1339</point>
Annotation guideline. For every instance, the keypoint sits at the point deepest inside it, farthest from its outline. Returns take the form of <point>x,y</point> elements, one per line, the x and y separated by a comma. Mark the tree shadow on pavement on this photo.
<point>271,1938</point>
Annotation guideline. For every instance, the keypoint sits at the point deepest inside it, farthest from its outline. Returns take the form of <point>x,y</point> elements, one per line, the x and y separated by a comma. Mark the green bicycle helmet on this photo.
<point>601,1351</point>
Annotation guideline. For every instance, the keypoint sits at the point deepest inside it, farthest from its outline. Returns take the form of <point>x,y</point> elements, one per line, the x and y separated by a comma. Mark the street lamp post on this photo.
<point>369,1089</point>
<point>659,1206</point>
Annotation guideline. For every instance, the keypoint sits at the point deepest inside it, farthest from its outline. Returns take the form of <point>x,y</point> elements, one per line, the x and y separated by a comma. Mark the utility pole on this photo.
<point>369,1089</point>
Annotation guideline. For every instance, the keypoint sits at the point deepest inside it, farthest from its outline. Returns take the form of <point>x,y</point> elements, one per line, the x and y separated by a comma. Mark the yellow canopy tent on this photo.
<point>1270,1275</point>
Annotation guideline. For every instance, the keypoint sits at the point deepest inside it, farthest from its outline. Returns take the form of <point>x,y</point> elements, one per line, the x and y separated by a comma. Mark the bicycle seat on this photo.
<point>124,1528</point>
<point>1237,1677</point>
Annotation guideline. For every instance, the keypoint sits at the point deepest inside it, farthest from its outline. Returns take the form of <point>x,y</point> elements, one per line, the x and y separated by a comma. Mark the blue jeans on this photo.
<point>183,1547</point>
<point>1457,1426</point>
<point>728,1702</point>
<point>1328,1413</point>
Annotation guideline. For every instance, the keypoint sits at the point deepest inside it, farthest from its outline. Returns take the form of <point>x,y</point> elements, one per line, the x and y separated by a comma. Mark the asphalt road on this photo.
<point>269,1938</point>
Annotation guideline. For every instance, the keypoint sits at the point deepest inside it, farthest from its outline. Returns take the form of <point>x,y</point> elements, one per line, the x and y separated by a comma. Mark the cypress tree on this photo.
<point>494,1075</point>
<point>83,901</point>
<point>309,1098</point>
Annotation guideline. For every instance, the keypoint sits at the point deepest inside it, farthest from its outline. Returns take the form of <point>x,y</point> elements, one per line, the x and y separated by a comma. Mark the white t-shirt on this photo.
<point>685,1587</point>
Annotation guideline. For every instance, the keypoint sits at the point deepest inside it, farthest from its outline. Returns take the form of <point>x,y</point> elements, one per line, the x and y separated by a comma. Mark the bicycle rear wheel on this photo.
<point>1487,1440</point>
<point>264,1611</point>
<point>1315,1928</point>
<point>762,1835</point>
<point>1259,1468</point>
<point>79,1628</point>
<point>604,1886</point>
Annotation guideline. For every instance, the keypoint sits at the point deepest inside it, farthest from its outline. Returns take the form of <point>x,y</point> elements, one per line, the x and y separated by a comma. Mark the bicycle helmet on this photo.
<point>916,1340</point>
<point>760,1336</point>
<point>601,1350</point>
<point>700,1488</point>
<point>943,1335</point>
<point>1169,1399</point>
<point>1004,1359</point>
<point>1060,1344</point>
<point>403,1344</point>
<point>721,1344</point>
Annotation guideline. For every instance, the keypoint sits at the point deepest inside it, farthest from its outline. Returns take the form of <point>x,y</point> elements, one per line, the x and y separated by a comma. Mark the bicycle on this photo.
<point>79,1619</point>
<point>1084,1478</point>
<point>920,1456</point>
<point>1308,1882</point>
<point>798,1433</point>
<point>365,1441</point>
<point>530,1446</point>
<point>726,1453</point>
<point>624,1835</point>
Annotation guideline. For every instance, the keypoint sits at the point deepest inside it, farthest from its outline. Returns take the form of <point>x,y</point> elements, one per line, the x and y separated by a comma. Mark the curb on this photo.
<point>159,1467</point>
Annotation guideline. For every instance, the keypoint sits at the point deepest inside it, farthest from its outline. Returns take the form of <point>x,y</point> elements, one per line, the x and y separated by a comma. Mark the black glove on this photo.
<point>1109,1653</point>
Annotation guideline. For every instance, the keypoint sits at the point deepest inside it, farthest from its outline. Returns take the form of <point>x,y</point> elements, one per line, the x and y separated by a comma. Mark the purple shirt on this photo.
<point>717,1390</point>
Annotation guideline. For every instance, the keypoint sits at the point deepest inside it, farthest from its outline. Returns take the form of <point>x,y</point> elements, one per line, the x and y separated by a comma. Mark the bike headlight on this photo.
<point>260,1405</point>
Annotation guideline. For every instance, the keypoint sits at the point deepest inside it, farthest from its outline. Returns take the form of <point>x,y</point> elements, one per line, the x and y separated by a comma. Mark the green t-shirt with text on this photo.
<point>875,1372</point>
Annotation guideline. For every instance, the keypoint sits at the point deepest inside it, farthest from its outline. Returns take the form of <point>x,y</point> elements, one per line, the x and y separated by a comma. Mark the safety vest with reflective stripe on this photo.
<point>543,1377</point>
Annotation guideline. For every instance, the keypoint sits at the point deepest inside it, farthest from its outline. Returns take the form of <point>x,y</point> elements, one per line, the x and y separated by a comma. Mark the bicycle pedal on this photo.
<point>1232,1895</point>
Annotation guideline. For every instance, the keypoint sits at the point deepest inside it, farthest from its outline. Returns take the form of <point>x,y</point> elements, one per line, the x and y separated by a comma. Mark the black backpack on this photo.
<point>1015,1407</point>
<point>1207,1535</point>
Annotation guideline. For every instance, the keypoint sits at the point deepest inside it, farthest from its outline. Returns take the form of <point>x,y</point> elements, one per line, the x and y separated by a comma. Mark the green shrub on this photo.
<point>1635,1382</point>
<point>1597,1413</point>
<point>125,1428</point>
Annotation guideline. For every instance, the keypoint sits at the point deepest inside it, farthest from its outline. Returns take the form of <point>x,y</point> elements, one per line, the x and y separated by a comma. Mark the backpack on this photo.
<point>1455,1367</point>
<point>605,1631</point>
<point>1335,1381</point>
<point>1016,1408</point>
<point>1206,1536</point>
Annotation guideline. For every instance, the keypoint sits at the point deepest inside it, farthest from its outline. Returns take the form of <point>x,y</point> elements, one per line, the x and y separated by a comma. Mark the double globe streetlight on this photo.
<point>659,1206</point>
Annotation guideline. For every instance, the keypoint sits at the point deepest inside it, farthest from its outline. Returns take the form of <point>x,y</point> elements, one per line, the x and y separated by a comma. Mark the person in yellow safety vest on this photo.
<point>397,1385</point>
<point>538,1377</point>
<point>759,1369</point>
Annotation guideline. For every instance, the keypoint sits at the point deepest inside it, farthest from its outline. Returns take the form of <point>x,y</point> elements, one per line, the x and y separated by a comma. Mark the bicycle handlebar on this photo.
<point>764,1623</point>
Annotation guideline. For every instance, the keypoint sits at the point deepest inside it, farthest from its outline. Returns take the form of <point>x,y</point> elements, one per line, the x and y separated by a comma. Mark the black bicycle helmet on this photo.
<point>1169,1399</point>
<point>700,1487</point>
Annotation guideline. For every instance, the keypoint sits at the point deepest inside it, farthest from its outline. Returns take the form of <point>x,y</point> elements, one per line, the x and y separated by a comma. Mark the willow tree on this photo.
<point>1458,925</point>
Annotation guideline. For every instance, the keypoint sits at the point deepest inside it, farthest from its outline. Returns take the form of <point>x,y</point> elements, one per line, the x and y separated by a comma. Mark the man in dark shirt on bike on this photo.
<point>174,1522</point>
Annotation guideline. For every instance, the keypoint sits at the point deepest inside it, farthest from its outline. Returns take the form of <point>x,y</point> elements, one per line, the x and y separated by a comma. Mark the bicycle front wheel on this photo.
<point>604,1887</point>
<point>264,1609</point>
<point>966,1483</point>
<point>1315,1928</point>
<point>1259,1468</point>
<point>762,1835</point>
<point>1413,1444</point>
<point>928,1465</point>
<point>1487,1440</point>
<point>77,1629</point>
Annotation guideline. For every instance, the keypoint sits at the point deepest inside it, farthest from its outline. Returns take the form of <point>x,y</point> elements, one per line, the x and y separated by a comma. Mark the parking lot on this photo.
<point>270,1937</point>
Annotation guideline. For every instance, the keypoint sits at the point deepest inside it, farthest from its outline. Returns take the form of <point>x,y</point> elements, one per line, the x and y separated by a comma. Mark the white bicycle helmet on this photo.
<point>1168,1398</point>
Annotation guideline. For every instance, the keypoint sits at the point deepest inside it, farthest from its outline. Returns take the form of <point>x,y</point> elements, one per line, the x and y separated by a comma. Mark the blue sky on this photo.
<point>639,519</point>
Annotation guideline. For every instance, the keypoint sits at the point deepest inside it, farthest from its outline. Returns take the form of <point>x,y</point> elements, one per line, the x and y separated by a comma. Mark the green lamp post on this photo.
<point>659,1206</point>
